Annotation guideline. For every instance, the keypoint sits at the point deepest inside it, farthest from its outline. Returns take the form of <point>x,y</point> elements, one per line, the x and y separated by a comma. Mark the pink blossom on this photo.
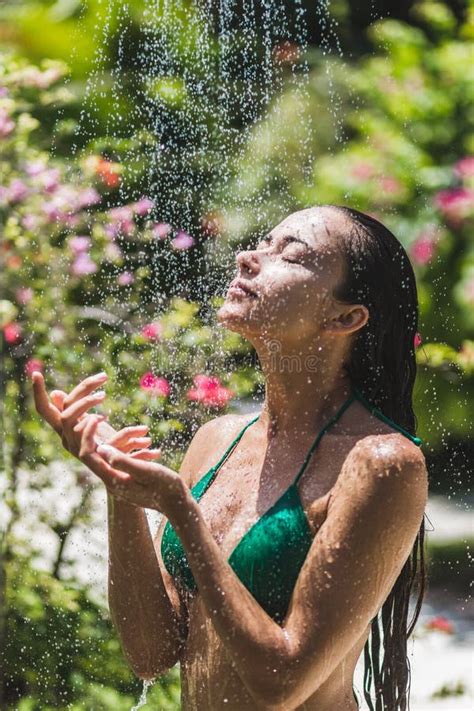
<point>417,340</point>
<point>182,240</point>
<point>456,204</point>
<point>12,333</point>
<point>83,265</point>
<point>35,168</point>
<point>3,92</point>
<point>31,222</point>
<point>49,179</point>
<point>142,206</point>
<point>17,191</point>
<point>24,295</point>
<point>87,197</point>
<point>33,365</point>
<point>464,168</point>
<point>363,170</point>
<point>152,331</point>
<point>125,278</point>
<point>389,184</point>
<point>79,244</point>
<point>122,217</point>
<point>32,76</point>
<point>112,251</point>
<point>209,391</point>
<point>161,229</point>
<point>158,385</point>
<point>423,249</point>
<point>6,124</point>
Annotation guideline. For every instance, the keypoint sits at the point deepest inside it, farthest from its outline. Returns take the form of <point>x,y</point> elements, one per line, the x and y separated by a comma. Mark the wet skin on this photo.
<point>363,492</point>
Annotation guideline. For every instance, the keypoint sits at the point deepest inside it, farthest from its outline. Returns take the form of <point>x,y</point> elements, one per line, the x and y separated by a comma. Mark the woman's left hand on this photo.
<point>142,483</point>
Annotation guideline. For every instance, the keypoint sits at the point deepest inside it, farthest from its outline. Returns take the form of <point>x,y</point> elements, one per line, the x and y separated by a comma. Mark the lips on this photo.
<point>238,286</point>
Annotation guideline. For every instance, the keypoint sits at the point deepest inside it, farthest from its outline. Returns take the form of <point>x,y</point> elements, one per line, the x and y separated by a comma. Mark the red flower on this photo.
<point>158,385</point>
<point>417,340</point>
<point>152,331</point>
<point>108,172</point>
<point>33,365</point>
<point>441,624</point>
<point>12,333</point>
<point>209,391</point>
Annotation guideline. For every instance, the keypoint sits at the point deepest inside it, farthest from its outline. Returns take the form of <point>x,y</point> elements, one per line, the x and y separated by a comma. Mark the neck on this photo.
<point>304,387</point>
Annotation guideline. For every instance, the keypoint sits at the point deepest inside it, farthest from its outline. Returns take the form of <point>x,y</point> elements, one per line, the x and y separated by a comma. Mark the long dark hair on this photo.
<point>382,366</point>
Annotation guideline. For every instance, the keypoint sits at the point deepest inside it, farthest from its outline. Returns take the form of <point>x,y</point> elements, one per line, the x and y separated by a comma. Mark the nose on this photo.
<point>247,260</point>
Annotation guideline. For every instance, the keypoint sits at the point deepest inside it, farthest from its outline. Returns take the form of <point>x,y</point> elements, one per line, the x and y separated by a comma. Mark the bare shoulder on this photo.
<point>209,443</point>
<point>387,469</point>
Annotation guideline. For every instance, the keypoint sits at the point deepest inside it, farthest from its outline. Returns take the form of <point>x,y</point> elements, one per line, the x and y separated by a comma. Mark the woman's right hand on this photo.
<point>68,414</point>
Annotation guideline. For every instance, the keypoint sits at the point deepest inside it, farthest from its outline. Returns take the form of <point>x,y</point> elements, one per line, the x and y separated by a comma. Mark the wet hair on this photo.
<point>382,366</point>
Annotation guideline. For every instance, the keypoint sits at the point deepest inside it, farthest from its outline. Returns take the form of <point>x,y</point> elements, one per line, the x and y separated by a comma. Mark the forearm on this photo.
<point>139,604</point>
<point>258,645</point>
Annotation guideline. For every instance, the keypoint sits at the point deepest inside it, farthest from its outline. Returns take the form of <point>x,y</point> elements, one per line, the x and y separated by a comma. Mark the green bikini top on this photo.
<point>270,555</point>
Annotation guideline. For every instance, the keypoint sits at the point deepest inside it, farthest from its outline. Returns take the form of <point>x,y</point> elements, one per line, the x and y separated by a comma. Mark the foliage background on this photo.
<point>92,227</point>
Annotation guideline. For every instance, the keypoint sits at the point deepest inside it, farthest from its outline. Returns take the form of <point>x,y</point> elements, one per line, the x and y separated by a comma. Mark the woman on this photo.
<point>268,578</point>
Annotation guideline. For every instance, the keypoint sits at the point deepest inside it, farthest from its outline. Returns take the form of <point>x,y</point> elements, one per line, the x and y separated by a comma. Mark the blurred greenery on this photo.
<point>116,175</point>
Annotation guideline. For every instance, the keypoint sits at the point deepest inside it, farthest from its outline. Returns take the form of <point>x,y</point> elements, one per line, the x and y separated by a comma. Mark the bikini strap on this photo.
<point>329,424</point>
<point>232,445</point>
<point>378,413</point>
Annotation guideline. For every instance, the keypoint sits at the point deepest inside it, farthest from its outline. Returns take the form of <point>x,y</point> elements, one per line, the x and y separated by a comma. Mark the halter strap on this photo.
<point>329,424</point>
<point>378,413</point>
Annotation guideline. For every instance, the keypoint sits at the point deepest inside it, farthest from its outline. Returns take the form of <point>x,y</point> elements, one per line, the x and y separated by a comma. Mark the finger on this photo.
<point>131,465</point>
<point>146,455</point>
<point>47,410</point>
<point>88,443</point>
<point>124,434</point>
<point>85,387</point>
<point>58,397</point>
<point>104,471</point>
<point>135,443</point>
<point>81,406</point>
<point>84,420</point>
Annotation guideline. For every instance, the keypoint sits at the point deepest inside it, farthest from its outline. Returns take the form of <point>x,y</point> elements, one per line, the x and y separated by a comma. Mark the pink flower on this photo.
<point>456,204</point>
<point>83,265</point>
<point>122,218</point>
<point>468,291</point>
<point>422,250</point>
<point>112,251</point>
<point>142,206</point>
<point>182,240</point>
<point>152,331</point>
<point>30,222</point>
<point>161,229</point>
<point>417,340</point>
<point>12,333</point>
<point>441,624</point>
<point>363,170</point>
<point>158,385</point>
<point>125,279</point>
<point>17,191</point>
<point>87,197</point>
<point>32,365</point>
<point>464,168</point>
<point>35,168</point>
<point>389,184</point>
<point>79,244</point>
<point>49,179</point>
<point>6,124</point>
<point>24,295</point>
<point>209,391</point>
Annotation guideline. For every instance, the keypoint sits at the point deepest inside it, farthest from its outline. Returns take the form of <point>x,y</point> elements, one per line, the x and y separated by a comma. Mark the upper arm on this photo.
<point>374,515</point>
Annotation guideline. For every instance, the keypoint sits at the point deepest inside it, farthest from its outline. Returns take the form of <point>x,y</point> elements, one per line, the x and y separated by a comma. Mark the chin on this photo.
<point>231,315</point>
